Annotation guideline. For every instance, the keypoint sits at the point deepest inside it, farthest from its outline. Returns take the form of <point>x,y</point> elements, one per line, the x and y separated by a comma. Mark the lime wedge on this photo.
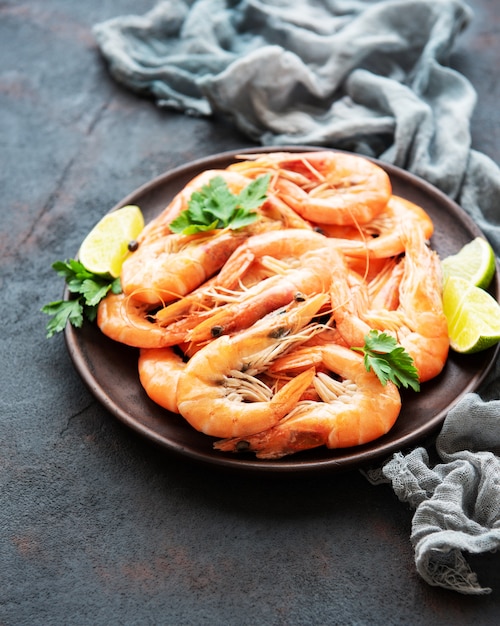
<point>106,246</point>
<point>475,262</point>
<point>473,316</point>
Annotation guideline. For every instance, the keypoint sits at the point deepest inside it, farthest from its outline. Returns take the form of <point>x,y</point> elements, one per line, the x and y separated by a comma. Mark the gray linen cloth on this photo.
<point>371,77</point>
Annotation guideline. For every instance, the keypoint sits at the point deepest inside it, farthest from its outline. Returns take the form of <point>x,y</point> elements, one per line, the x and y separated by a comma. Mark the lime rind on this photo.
<point>105,248</point>
<point>473,316</point>
<point>475,262</point>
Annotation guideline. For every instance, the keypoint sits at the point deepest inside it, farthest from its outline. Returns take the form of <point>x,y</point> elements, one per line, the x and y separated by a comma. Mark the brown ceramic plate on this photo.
<point>109,369</point>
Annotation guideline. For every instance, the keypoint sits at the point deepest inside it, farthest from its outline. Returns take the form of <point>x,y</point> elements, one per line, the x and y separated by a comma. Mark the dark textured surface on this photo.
<point>97,526</point>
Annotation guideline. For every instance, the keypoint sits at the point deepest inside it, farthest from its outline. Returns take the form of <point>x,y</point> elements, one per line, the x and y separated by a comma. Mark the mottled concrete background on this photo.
<point>96,525</point>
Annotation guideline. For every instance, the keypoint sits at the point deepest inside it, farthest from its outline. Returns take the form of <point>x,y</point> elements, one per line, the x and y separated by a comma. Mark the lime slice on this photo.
<point>473,316</point>
<point>475,262</point>
<point>106,246</point>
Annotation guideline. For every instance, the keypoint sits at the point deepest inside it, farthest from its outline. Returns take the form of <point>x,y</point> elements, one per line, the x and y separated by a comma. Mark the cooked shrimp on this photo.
<point>211,310</point>
<point>201,299</point>
<point>274,208</point>
<point>309,354</point>
<point>383,289</point>
<point>219,393</point>
<point>325,186</point>
<point>209,296</point>
<point>287,244</point>
<point>129,321</point>
<point>418,322</point>
<point>171,266</point>
<point>382,237</point>
<point>352,411</point>
<point>422,327</point>
<point>197,316</point>
<point>160,370</point>
<point>312,277</point>
<point>136,324</point>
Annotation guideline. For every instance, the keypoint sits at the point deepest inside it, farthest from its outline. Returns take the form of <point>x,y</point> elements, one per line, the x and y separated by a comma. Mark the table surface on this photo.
<point>98,526</point>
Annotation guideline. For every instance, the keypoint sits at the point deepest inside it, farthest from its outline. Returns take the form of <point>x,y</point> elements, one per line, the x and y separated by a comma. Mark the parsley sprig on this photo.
<point>91,289</point>
<point>215,206</point>
<point>389,360</point>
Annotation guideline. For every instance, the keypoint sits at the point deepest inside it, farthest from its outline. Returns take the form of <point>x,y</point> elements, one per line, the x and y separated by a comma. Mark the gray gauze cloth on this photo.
<point>371,77</point>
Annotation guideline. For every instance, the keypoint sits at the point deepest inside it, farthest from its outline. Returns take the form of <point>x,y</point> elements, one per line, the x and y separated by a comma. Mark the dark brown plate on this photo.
<point>109,369</point>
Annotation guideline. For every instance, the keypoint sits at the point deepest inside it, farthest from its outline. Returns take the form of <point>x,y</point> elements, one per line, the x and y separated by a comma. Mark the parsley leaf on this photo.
<point>90,289</point>
<point>215,206</point>
<point>389,360</point>
<point>63,312</point>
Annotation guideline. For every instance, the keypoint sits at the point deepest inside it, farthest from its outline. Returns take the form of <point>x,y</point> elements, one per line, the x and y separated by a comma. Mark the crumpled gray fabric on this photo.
<point>456,502</point>
<point>366,76</point>
<point>372,77</point>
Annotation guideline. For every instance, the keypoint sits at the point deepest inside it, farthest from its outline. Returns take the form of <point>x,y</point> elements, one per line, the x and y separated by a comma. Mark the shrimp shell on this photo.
<point>128,321</point>
<point>325,186</point>
<point>418,322</point>
<point>288,244</point>
<point>160,370</point>
<point>312,277</point>
<point>219,393</point>
<point>172,266</point>
<point>353,411</point>
<point>383,236</point>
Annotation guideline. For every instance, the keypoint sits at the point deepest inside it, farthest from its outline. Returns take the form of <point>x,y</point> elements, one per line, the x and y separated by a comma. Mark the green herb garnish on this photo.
<point>91,289</point>
<point>389,360</point>
<point>215,206</point>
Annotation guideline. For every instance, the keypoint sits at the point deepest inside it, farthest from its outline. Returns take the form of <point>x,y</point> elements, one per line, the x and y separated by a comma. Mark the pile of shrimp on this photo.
<point>247,334</point>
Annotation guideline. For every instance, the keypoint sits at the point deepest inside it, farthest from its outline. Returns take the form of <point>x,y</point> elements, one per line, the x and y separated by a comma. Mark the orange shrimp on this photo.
<point>167,266</point>
<point>418,322</point>
<point>352,411</point>
<point>219,392</point>
<point>129,321</point>
<point>422,326</point>
<point>208,296</point>
<point>325,187</point>
<point>137,324</point>
<point>160,370</point>
<point>171,266</point>
<point>381,237</point>
<point>314,276</point>
<point>288,245</point>
<point>383,288</point>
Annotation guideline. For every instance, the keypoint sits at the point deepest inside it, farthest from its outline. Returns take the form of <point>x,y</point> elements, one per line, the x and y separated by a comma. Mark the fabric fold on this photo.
<point>370,77</point>
<point>456,502</point>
